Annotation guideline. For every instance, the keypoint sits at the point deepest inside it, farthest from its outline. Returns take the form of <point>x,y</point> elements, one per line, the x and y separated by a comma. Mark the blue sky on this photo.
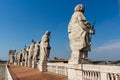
<point>24,20</point>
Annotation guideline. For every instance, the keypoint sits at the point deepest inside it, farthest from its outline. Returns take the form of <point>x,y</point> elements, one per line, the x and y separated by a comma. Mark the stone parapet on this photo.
<point>85,71</point>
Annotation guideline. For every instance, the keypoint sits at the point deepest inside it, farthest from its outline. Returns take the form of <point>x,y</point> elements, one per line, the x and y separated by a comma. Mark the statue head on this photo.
<point>33,41</point>
<point>79,8</point>
<point>47,33</point>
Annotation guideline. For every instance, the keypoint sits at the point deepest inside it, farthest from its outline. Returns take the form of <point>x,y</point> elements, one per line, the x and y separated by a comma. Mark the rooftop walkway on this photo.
<point>2,72</point>
<point>24,73</point>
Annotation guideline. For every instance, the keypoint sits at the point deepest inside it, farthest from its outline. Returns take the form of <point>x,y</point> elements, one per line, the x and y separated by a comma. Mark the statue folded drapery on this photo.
<point>44,51</point>
<point>44,47</point>
<point>79,31</point>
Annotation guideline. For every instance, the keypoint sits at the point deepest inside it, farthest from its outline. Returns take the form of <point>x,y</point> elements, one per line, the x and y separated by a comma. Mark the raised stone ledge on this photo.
<point>85,71</point>
<point>9,77</point>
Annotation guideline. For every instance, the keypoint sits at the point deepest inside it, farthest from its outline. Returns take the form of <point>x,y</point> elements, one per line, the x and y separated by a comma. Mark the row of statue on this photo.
<point>79,33</point>
<point>33,55</point>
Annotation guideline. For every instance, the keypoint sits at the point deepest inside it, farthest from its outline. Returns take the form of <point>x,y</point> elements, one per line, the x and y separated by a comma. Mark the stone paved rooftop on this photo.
<point>24,73</point>
<point>2,72</point>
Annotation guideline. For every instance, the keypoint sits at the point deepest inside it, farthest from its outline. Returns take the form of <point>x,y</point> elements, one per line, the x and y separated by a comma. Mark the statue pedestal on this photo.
<point>73,61</point>
<point>42,67</point>
<point>75,57</point>
<point>33,65</point>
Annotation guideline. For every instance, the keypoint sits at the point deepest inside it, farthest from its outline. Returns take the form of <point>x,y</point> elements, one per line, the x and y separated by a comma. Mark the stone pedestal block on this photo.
<point>42,66</point>
<point>75,56</point>
<point>74,74</point>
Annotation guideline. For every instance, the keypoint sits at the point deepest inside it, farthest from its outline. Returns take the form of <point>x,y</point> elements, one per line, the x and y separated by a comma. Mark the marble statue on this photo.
<point>79,31</point>
<point>44,51</point>
<point>17,58</point>
<point>31,53</point>
<point>11,57</point>
<point>26,55</point>
<point>45,46</point>
<point>36,54</point>
<point>21,57</point>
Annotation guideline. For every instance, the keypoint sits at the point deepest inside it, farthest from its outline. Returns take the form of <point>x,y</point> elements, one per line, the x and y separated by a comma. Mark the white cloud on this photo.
<point>108,47</point>
<point>108,51</point>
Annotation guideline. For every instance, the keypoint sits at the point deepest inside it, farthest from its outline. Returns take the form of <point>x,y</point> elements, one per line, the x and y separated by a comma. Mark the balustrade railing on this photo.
<point>91,75</point>
<point>58,68</point>
<point>113,76</point>
<point>88,72</point>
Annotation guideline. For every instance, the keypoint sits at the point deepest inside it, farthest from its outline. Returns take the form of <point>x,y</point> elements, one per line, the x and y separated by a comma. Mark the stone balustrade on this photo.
<point>113,76</point>
<point>59,68</point>
<point>91,75</point>
<point>86,71</point>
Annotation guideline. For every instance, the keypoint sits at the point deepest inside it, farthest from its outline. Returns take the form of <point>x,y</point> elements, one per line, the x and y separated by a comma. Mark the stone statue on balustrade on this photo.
<point>36,54</point>
<point>31,53</point>
<point>44,51</point>
<point>21,57</point>
<point>24,56</point>
<point>17,58</point>
<point>26,51</point>
<point>11,57</point>
<point>79,31</point>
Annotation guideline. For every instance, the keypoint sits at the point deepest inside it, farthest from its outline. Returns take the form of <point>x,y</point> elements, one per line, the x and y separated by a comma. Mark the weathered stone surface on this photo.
<point>29,56</point>
<point>85,71</point>
<point>44,51</point>
<point>79,30</point>
<point>11,57</point>
<point>31,53</point>
<point>36,54</point>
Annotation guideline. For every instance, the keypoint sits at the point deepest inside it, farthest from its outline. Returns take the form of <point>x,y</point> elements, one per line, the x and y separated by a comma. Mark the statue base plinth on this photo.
<point>73,61</point>
<point>75,56</point>
<point>42,67</point>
